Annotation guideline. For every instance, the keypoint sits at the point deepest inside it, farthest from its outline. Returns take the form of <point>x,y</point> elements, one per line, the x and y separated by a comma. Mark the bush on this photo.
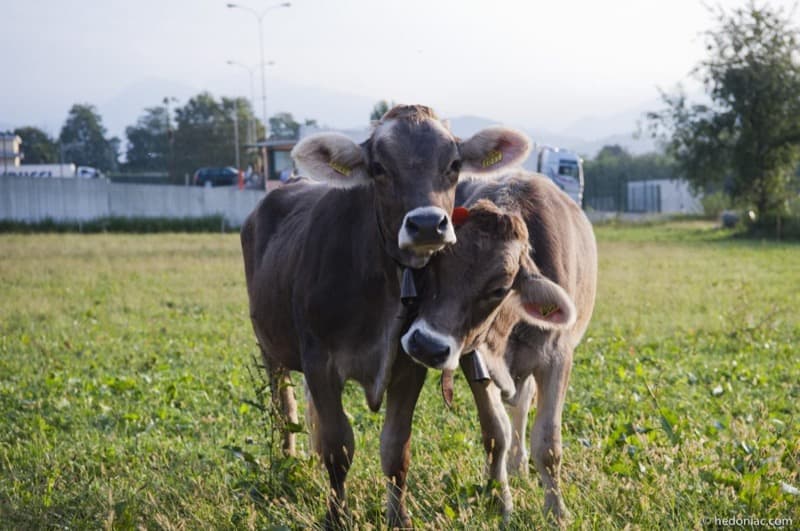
<point>715,204</point>
<point>120,224</point>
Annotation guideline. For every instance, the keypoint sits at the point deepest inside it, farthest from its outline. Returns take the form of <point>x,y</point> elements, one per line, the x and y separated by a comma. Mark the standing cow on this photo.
<point>518,287</point>
<point>324,263</point>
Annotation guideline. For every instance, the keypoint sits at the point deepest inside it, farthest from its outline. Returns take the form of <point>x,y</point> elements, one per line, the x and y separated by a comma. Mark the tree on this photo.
<point>83,142</point>
<point>148,146</point>
<point>379,109</point>
<point>749,134</point>
<point>204,134</point>
<point>37,146</point>
<point>284,127</point>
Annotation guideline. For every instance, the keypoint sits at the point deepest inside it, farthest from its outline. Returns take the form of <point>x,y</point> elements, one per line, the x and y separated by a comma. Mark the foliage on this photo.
<point>127,402</point>
<point>119,224</point>
<point>204,134</point>
<point>748,135</point>
<point>715,203</point>
<point>37,146</point>
<point>379,109</point>
<point>282,126</point>
<point>83,139</point>
<point>609,172</point>
<point>148,141</point>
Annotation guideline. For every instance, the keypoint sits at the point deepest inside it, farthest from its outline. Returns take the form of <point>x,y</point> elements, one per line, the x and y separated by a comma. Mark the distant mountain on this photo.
<point>330,107</point>
<point>586,146</point>
<point>128,105</point>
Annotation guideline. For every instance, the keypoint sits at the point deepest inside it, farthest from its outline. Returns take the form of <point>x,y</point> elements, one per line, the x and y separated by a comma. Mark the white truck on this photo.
<point>563,167</point>
<point>68,171</point>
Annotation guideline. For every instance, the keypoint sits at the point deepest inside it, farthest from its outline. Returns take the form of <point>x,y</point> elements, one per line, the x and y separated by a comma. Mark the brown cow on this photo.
<point>324,264</point>
<point>518,287</point>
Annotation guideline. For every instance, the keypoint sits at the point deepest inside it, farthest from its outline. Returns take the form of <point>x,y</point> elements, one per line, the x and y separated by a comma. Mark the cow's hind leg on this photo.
<point>401,398</point>
<point>333,436</point>
<point>552,380</point>
<point>283,402</point>
<point>518,454</point>
<point>496,435</point>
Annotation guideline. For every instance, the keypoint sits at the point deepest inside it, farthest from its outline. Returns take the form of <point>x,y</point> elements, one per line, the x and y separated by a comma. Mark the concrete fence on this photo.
<point>30,199</point>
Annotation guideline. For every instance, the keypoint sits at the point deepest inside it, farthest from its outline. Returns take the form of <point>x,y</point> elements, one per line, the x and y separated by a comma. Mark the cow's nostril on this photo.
<point>443,225</point>
<point>412,227</point>
<point>430,348</point>
<point>415,338</point>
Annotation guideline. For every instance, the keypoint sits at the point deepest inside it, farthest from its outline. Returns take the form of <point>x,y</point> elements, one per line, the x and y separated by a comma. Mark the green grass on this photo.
<point>127,400</point>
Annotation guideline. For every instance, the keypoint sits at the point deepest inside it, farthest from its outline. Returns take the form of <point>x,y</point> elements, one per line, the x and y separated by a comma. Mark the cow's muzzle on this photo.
<point>425,230</point>
<point>430,348</point>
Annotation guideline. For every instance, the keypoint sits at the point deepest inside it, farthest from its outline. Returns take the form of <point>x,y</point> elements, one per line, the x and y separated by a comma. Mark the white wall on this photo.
<point>675,196</point>
<point>29,199</point>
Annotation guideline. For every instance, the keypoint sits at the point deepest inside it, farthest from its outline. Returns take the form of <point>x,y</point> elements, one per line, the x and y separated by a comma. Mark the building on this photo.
<point>666,196</point>
<point>9,151</point>
<point>276,154</point>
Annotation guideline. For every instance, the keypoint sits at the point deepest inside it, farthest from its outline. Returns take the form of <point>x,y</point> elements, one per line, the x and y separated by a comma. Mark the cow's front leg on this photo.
<point>518,454</point>
<point>496,436</point>
<point>551,382</point>
<point>333,436</point>
<point>401,398</point>
<point>312,423</point>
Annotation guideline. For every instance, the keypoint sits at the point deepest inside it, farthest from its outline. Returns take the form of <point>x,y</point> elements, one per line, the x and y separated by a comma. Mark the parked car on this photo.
<point>226,176</point>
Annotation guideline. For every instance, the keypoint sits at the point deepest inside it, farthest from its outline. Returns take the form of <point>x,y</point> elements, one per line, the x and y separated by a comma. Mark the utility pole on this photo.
<point>236,133</point>
<point>170,137</point>
<point>260,18</point>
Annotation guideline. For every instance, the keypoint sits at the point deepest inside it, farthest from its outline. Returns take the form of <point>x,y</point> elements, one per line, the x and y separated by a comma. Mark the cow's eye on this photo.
<point>455,166</point>
<point>499,293</point>
<point>377,169</point>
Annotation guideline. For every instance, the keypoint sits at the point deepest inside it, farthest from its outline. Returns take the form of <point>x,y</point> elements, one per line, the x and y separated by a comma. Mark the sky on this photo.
<point>549,65</point>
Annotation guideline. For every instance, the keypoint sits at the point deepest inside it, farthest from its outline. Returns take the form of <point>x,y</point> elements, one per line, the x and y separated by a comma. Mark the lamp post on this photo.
<point>260,17</point>
<point>251,126</point>
<point>170,136</point>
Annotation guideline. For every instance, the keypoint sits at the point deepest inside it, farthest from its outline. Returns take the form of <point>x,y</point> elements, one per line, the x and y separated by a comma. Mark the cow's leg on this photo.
<point>496,435</point>
<point>312,423</point>
<point>401,398</point>
<point>333,434</point>
<point>283,401</point>
<point>518,454</point>
<point>552,380</point>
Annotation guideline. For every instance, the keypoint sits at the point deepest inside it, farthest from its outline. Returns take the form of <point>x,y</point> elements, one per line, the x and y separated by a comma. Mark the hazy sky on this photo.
<point>535,63</point>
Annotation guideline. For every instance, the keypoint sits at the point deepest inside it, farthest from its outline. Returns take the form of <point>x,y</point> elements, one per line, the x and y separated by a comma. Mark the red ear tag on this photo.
<point>460,215</point>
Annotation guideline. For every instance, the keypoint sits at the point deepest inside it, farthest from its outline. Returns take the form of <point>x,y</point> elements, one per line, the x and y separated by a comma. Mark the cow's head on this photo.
<point>466,285</point>
<point>413,161</point>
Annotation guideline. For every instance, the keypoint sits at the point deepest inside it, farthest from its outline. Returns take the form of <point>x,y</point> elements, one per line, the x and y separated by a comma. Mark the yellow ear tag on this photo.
<point>492,158</point>
<point>340,168</point>
<point>549,309</point>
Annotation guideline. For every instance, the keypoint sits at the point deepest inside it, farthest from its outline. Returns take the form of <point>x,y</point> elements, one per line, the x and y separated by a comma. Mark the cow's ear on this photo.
<point>494,149</point>
<point>541,302</point>
<point>331,157</point>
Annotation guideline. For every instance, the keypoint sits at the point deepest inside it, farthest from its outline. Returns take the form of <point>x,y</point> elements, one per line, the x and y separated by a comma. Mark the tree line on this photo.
<point>178,141</point>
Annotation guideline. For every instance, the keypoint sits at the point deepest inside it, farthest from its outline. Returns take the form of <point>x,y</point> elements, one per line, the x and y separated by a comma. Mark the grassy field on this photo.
<point>128,396</point>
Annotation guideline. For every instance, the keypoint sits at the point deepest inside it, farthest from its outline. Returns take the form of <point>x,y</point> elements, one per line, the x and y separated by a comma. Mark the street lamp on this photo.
<point>251,127</point>
<point>260,17</point>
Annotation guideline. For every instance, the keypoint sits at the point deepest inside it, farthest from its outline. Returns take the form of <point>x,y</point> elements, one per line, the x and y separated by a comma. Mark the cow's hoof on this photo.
<point>555,511</point>
<point>399,519</point>
<point>500,501</point>
<point>335,518</point>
